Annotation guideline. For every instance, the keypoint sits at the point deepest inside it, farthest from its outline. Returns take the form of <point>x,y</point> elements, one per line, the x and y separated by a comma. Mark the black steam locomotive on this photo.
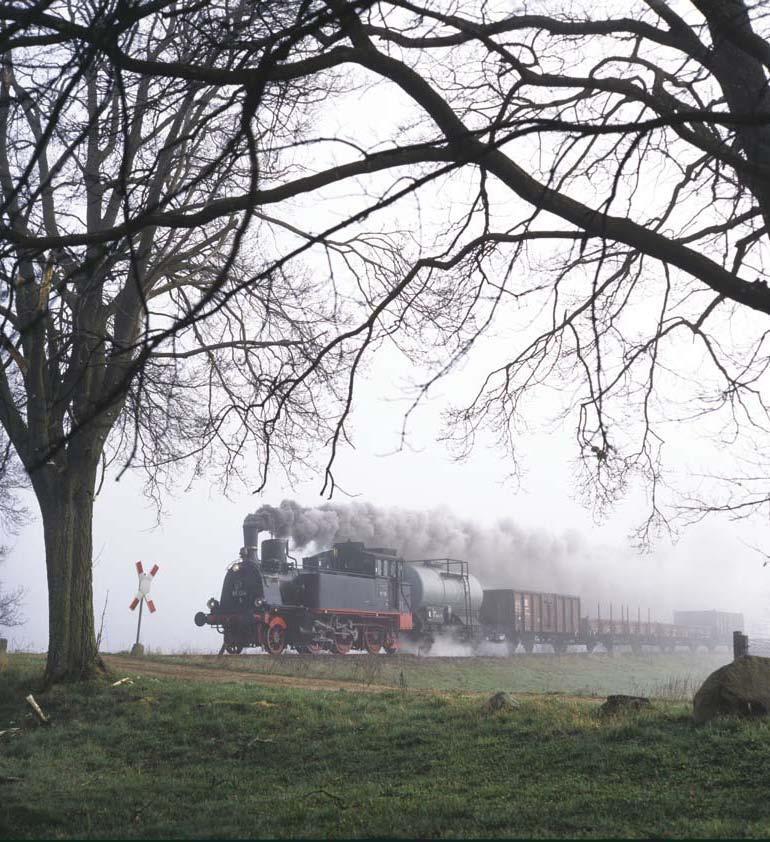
<point>349,597</point>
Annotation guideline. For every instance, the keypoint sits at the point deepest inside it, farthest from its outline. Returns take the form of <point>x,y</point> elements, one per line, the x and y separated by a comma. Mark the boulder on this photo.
<point>620,703</point>
<point>498,702</point>
<point>741,688</point>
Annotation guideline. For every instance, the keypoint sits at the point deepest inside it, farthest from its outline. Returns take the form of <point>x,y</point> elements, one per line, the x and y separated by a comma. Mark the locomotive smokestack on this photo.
<point>251,529</point>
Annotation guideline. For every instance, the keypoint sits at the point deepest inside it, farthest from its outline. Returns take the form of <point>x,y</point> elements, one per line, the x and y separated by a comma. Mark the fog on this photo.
<point>528,533</point>
<point>506,553</point>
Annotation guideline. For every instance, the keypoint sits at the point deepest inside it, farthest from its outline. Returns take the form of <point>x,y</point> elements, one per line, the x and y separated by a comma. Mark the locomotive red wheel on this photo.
<point>373,640</point>
<point>343,644</point>
<point>315,648</point>
<point>390,644</point>
<point>275,636</point>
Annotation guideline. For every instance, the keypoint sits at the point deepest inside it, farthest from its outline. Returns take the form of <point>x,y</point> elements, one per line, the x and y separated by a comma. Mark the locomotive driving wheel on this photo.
<point>275,636</point>
<point>315,648</point>
<point>343,643</point>
<point>233,648</point>
<point>373,639</point>
<point>390,644</point>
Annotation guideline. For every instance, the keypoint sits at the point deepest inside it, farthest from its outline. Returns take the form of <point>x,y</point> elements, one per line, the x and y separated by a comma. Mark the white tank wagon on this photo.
<point>444,597</point>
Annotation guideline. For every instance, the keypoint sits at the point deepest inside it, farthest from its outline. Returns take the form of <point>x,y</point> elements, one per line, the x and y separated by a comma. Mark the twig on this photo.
<point>36,709</point>
<point>327,794</point>
<point>101,623</point>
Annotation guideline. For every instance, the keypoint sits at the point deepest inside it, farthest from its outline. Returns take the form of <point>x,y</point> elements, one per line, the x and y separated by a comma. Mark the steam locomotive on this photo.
<point>369,598</point>
<point>348,597</point>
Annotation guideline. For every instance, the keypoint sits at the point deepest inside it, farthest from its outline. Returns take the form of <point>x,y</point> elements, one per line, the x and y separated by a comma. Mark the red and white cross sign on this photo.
<point>143,592</point>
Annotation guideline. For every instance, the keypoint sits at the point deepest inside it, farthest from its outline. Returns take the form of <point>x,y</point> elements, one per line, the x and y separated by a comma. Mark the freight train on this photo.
<point>370,599</point>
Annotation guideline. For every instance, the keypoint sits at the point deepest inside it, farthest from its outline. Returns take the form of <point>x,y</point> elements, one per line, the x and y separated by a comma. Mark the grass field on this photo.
<point>674,676</point>
<point>174,758</point>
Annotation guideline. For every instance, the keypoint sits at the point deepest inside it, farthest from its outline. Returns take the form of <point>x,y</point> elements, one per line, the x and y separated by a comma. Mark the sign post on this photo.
<point>142,596</point>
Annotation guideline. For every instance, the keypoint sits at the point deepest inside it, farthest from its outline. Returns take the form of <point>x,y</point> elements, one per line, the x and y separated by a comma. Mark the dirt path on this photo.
<point>122,666</point>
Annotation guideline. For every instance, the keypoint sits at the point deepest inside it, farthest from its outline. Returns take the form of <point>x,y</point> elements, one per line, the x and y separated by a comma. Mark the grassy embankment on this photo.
<point>164,758</point>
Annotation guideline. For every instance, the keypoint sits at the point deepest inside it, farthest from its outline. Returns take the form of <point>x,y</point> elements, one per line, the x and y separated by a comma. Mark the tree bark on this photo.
<point>66,506</point>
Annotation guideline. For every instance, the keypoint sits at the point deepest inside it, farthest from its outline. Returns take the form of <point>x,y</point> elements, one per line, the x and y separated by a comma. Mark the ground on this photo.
<point>341,747</point>
<point>674,676</point>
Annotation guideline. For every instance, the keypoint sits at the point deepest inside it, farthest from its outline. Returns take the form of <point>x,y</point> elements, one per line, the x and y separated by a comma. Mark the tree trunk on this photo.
<point>67,510</point>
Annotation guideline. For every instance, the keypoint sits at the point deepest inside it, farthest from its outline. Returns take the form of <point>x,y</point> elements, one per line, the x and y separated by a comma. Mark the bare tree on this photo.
<point>13,480</point>
<point>155,343</point>
<point>595,192</point>
<point>10,607</point>
<point>13,514</point>
<point>614,173</point>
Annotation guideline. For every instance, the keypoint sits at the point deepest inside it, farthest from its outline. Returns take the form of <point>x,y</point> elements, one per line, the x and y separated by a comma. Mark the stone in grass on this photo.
<point>740,688</point>
<point>500,701</point>
<point>621,703</point>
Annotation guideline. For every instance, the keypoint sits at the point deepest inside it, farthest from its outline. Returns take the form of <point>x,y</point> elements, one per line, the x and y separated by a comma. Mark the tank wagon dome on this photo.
<point>431,585</point>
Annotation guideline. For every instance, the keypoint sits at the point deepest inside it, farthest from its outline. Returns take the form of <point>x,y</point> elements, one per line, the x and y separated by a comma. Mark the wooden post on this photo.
<point>3,644</point>
<point>137,649</point>
<point>740,644</point>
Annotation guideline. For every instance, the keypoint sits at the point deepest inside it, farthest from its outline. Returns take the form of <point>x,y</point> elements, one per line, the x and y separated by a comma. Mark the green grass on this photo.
<point>673,676</point>
<point>164,758</point>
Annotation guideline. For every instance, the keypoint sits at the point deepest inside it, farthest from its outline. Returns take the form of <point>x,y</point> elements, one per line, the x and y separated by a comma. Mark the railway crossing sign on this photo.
<point>142,596</point>
<point>143,592</point>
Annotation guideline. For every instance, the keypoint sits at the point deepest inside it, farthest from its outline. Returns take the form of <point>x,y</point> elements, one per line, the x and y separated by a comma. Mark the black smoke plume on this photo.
<point>502,553</point>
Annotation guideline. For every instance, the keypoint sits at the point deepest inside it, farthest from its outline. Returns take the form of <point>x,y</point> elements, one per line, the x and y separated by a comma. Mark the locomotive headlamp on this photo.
<point>212,604</point>
<point>236,567</point>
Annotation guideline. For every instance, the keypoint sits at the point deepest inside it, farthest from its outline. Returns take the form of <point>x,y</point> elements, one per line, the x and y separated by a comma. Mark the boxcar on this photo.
<point>717,625</point>
<point>530,617</point>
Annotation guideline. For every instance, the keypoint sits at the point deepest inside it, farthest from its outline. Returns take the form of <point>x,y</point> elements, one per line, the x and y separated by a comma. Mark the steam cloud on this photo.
<point>507,554</point>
